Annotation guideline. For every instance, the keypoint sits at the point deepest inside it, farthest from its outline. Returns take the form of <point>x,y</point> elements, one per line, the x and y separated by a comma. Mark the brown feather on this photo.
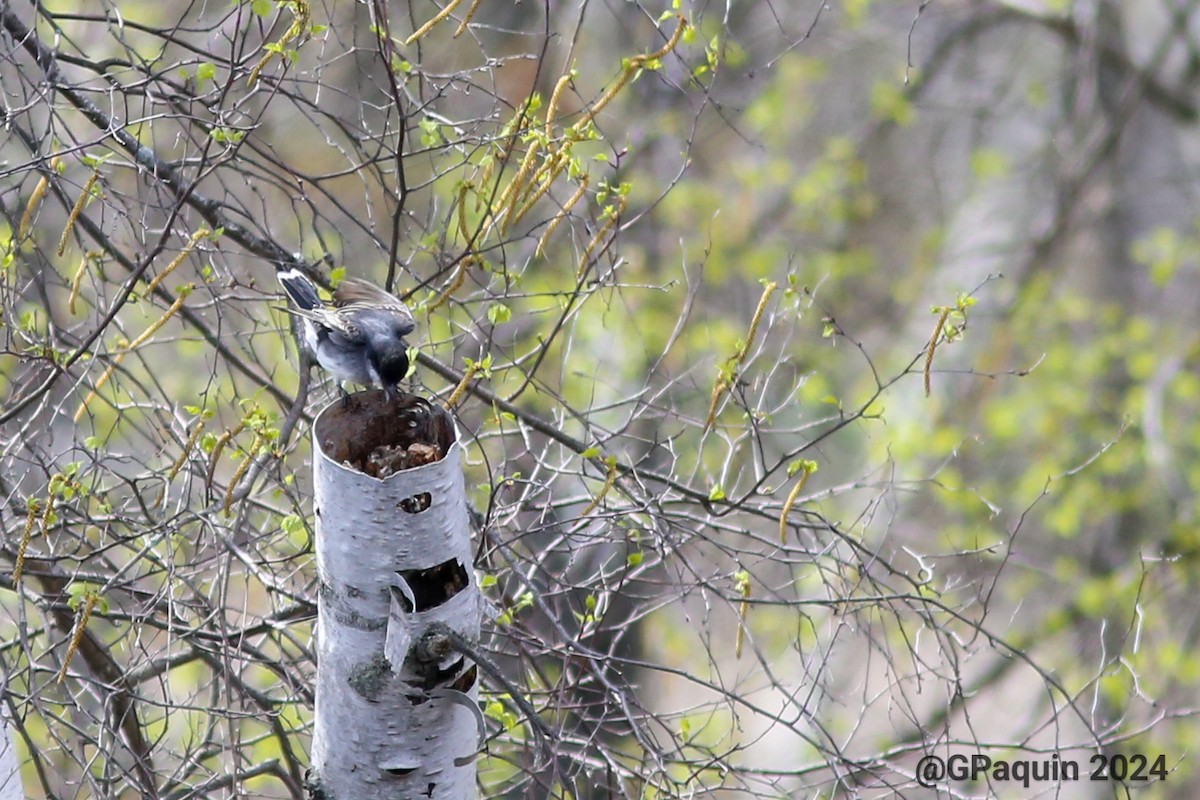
<point>356,290</point>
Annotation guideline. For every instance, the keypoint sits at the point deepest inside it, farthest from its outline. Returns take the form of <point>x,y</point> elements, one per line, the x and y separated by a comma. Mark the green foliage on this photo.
<point>499,313</point>
<point>890,103</point>
<point>226,135</point>
<point>79,593</point>
<point>498,710</point>
<point>431,132</point>
<point>1164,250</point>
<point>599,272</point>
<point>988,163</point>
<point>522,602</point>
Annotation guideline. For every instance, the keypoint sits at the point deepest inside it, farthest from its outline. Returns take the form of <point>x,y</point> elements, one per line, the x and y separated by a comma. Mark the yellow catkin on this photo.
<point>562,215</point>
<point>428,26</point>
<point>504,143</point>
<point>559,162</point>
<point>739,358</point>
<point>713,401</point>
<point>480,196</point>
<point>179,259</point>
<point>600,234</point>
<point>215,456</point>
<point>76,210</point>
<point>631,68</point>
<point>759,313</point>
<point>300,24</point>
<point>32,507</point>
<point>461,388</point>
<point>108,373</point>
<point>609,480</point>
<point>463,229</point>
<point>85,615</point>
<point>552,108</point>
<point>35,200</point>
<point>607,97</point>
<point>791,501</point>
<point>242,469</point>
<point>743,610</point>
<point>462,26</point>
<point>511,194</point>
<point>187,450</point>
<point>933,343</point>
<point>460,277</point>
<point>77,278</point>
<point>671,43</point>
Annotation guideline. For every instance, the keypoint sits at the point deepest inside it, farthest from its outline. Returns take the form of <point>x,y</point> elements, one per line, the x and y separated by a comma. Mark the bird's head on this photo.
<point>391,363</point>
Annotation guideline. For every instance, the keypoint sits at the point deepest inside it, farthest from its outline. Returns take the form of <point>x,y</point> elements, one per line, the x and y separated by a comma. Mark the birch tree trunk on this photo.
<point>395,710</point>
<point>10,774</point>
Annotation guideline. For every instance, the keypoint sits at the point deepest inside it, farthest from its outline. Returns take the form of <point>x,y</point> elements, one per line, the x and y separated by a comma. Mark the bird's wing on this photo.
<point>355,296</point>
<point>356,290</point>
<point>334,320</point>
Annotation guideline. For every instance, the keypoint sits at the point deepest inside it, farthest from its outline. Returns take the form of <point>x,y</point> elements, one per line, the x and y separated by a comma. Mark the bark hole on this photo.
<point>417,503</point>
<point>433,586</point>
<point>399,772</point>
<point>464,682</point>
<point>379,437</point>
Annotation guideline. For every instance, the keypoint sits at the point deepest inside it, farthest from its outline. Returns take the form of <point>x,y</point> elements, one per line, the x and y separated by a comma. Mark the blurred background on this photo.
<point>828,381</point>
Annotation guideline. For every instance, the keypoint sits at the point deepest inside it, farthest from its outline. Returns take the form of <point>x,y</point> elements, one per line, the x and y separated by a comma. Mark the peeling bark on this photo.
<point>396,713</point>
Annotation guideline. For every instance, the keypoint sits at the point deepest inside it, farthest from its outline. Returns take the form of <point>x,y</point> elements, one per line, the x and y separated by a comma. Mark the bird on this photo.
<point>360,337</point>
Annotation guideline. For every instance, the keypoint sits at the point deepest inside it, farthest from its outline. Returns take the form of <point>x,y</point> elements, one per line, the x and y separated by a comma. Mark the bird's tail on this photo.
<point>300,289</point>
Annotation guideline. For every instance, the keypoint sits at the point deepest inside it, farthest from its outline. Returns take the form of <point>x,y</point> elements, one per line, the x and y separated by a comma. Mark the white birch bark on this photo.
<point>392,720</point>
<point>10,772</point>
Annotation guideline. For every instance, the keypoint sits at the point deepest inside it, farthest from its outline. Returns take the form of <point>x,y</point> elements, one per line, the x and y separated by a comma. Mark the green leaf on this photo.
<point>226,135</point>
<point>261,7</point>
<point>741,582</point>
<point>499,313</point>
<point>591,452</point>
<point>206,72</point>
<point>717,493</point>
<point>494,710</point>
<point>635,559</point>
<point>795,467</point>
<point>431,133</point>
<point>76,592</point>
